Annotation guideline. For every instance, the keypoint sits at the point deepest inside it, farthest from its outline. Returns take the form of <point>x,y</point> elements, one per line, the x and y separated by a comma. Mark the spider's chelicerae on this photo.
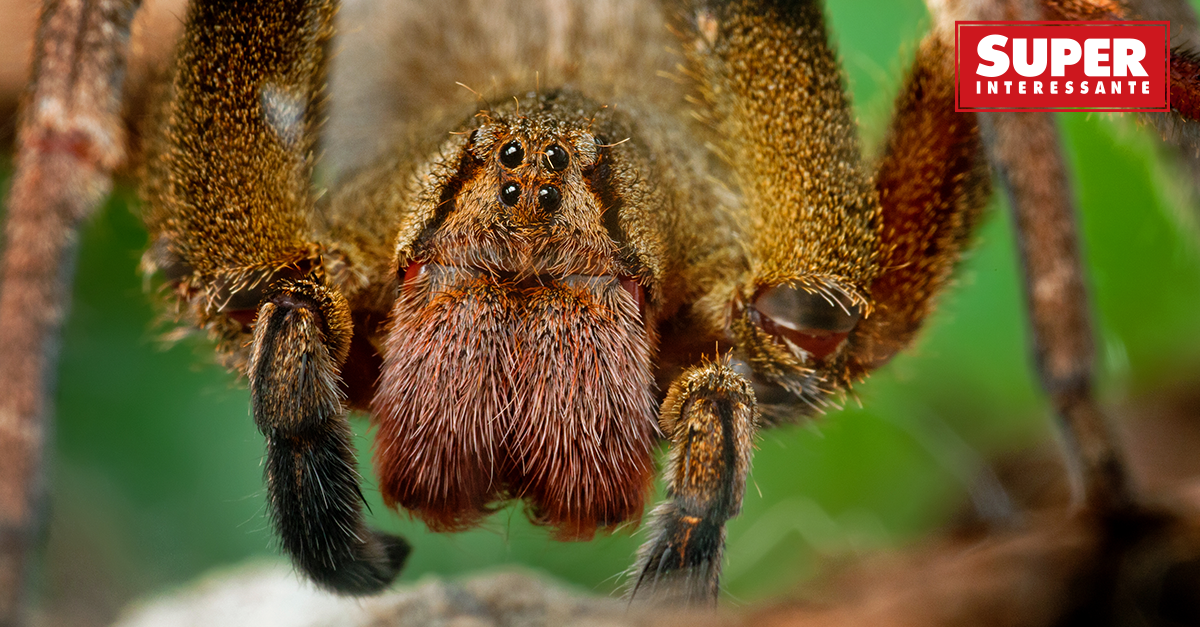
<point>679,242</point>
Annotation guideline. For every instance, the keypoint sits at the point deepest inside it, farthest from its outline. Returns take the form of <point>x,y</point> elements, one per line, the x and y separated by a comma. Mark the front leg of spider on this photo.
<point>709,416</point>
<point>772,91</point>
<point>229,206</point>
<point>841,273</point>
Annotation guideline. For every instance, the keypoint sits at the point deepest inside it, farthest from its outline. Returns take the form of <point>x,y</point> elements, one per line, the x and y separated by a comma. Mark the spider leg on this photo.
<point>933,183</point>
<point>1180,134</point>
<point>1185,58</point>
<point>70,140</point>
<point>1026,152</point>
<point>1178,126</point>
<point>772,92</point>
<point>709,416</point>
<point>230,206</point>
<point>818,226</point>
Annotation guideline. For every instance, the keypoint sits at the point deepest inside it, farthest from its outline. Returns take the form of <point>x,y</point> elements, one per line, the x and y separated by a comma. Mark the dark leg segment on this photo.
<point>1028,159</point>
<point>70,140</point>
<point>1025,151</point>
<point>301,338</point>
<point>229,196</point>
<point>710,416</point>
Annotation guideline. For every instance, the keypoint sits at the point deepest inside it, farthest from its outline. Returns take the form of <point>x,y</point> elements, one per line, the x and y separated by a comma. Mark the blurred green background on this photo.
<point>156,464</point>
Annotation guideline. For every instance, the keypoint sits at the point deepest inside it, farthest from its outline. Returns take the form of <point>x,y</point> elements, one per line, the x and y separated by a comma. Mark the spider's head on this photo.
<point>533,189</point>
<point>518,363</point>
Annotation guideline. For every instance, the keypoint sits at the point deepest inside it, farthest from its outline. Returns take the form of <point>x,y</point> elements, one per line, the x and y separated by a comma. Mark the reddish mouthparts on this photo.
<point>532,387</point>
<point>635,290</point>
<point>413,271</point>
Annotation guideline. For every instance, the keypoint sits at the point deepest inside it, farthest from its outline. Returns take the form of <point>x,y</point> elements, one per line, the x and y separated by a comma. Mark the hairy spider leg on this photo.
<point>1025,149</point>
<point>933,183</point>
<point>772,92</point>
<point>710,417</point>
<point>230,206</point>
<point>301,337</point>
<point>70,139</point>
<point>890,249</point>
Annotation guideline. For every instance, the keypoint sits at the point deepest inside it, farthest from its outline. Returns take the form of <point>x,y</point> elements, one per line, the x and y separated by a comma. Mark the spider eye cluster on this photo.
<point>817,322</point>
<point>554,159</point>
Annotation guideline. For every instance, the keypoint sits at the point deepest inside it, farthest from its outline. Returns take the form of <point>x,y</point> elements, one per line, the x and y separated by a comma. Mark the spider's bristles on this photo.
<point>491,391</point>
<point>312,484</point>
<point>710,415</point>
<point>440,407</point>
<point>586,413</point>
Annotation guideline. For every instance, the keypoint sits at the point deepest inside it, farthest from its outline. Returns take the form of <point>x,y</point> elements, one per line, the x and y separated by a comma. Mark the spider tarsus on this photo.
<point>681,564</point>
<point>380,560</point>
<point>317,513</point>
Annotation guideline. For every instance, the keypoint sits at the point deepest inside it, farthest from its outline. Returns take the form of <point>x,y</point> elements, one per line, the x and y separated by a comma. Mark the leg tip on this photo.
<point>373,567</point>
<point>396,549</point>
<point>681,563</point>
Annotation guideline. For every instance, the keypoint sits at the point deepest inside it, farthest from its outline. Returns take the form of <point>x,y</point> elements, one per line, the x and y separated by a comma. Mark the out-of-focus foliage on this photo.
<point>156,467</point>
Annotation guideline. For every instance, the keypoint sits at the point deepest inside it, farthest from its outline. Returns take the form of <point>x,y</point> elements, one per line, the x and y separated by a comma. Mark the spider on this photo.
<point>527,304</point>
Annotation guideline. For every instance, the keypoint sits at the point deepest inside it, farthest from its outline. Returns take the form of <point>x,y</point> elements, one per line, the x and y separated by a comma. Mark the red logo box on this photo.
<point>1061,66</point>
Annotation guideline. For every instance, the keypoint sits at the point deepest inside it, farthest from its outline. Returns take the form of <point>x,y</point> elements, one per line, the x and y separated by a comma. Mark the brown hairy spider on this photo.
<point>528,295</point>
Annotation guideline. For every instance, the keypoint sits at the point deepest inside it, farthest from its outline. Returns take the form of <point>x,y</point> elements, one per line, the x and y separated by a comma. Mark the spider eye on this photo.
<point>510,194</point>
<point>816,322</point>
<point>512,154</point>
<point>549,197</point>
<point>556,158</point>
